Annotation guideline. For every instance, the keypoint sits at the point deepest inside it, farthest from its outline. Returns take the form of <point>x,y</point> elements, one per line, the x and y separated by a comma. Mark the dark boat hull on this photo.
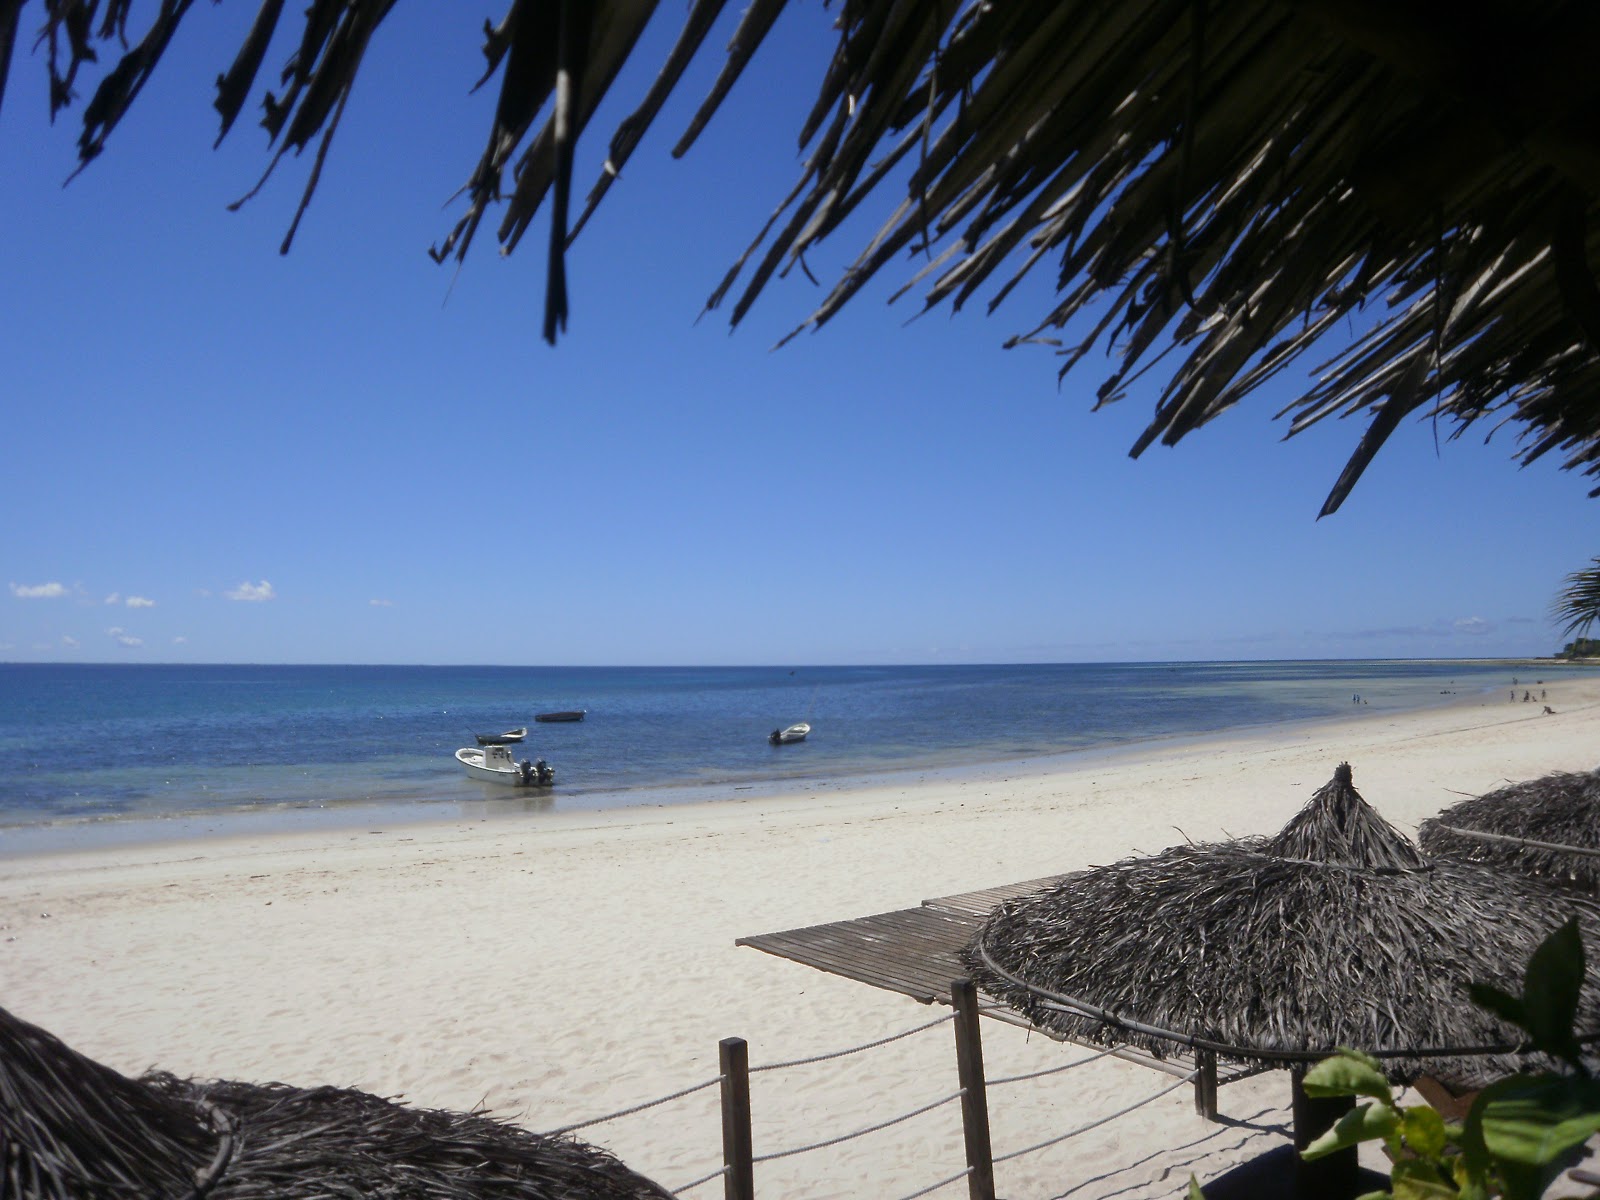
<point>560,716</point>
<point>509,737</point>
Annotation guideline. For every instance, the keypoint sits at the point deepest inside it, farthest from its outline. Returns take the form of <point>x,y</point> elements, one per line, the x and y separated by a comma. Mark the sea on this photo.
<point>98,753</point>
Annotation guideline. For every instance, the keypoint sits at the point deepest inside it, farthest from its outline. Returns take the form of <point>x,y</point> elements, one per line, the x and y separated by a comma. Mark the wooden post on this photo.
<point>739,1183</point>
<point>1336,1176</point>
<point>1205,1084</point>
<point>974,1100</point>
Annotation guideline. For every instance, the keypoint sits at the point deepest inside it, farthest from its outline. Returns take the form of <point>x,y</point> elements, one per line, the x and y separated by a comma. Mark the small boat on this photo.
<point>574,715</point>
<point>501,739</point>
<point>495,764</point>
<point>794,733</point>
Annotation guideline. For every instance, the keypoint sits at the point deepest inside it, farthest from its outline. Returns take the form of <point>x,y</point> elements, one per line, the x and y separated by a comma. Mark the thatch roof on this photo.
<point>72,1129</point>
<point>1332,933</point>
<point>1559,809</point>
<point>1239,181</point>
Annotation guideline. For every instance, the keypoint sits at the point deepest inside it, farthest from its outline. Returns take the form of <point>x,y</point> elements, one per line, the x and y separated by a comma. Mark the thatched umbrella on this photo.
<point>1234,180</point>
<point>1547,827</point>
<point>1275,951</point>
<point>72,1129</point>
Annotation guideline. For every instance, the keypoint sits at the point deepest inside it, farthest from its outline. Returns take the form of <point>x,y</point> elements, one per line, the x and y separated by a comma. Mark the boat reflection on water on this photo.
<point>493,801</point>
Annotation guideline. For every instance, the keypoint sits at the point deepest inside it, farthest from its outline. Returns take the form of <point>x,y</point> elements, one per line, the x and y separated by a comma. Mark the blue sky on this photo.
<point>212,453</point>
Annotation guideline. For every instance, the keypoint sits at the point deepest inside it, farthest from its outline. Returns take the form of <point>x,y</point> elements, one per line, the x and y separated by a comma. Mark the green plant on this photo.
<point>1520,1132</point>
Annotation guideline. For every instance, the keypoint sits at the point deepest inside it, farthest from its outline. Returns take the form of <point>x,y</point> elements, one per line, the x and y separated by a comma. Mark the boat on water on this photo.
<point>496,764</point>
<point>502,739</point>
<point>794,733</point>
<point>576,714</point>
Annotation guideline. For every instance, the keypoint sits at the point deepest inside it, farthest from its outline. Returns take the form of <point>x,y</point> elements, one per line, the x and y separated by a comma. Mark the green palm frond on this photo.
<point>1227,185</point>
<point>1578,605</point>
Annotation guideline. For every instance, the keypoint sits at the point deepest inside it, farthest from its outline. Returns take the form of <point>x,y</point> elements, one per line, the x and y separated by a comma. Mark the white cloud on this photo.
<point>381,603</point>
<point>114,598</point>
<point>71,643</point>
<point>114,630</point>
<point>1473,626</point>
<point>179,640</point>
<point>252,591</point>
<point>127,639</point>
<point>37,591</point>
<point>140,602</point>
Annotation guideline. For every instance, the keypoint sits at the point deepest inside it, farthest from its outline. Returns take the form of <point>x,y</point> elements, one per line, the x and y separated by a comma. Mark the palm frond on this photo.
<point>1578,605</point>
<point>1234,180</point>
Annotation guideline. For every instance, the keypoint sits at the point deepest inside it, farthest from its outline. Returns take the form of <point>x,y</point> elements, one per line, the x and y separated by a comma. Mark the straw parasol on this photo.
<point>1275,951</point>
<point>72,1128</point>
<point>1234,182</point>
<point>1547,827</point>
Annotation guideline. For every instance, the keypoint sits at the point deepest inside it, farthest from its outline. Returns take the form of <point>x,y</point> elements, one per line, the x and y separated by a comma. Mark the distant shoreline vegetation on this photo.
<point>1581,648</point>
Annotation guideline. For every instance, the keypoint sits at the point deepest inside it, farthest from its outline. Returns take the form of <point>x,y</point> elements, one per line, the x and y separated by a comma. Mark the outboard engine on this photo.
<point>544,772</point>
<point>526,772</point>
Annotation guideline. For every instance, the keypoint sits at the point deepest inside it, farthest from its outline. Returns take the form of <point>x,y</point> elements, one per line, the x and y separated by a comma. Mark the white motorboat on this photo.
<point>794,733</point>
<point>496,764</point>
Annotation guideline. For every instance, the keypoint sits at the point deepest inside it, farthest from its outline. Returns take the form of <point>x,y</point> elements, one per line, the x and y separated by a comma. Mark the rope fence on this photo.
<point>637,1108</point>
<point>1095,1124</point>
<point>850,1137</point>
<point>739,1158</point>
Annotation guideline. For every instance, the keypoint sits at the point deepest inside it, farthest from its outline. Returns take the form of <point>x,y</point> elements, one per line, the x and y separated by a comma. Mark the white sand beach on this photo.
<point>563,966</point>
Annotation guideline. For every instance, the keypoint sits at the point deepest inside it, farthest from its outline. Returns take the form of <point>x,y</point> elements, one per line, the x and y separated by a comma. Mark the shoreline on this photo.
<point>342,815</point>
<point>568,965</point>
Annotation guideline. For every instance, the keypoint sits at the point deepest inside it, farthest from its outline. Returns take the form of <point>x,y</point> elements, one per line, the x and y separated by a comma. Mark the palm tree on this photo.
<point>1578,604</point>
<point>1228,182</point>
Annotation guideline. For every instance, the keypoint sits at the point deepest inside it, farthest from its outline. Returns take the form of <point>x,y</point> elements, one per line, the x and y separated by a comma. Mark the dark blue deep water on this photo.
<point>83,742</point>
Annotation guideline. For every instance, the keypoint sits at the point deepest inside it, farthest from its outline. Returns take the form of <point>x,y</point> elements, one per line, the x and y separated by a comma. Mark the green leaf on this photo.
<point>1194,1189</point>
<point>1502,1004</point>
<point>1424,1131</point>
<point>1364,1123</point>
<point>1550,992</point>
<point>1518,1181</point>
<point>1414,1179</point>
<point>1533,1119</point>
<point>1348,1073</point>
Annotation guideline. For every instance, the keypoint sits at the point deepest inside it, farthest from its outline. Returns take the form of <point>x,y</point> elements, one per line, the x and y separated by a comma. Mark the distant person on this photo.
<point>1541,693</point>
<point>1548,711</point>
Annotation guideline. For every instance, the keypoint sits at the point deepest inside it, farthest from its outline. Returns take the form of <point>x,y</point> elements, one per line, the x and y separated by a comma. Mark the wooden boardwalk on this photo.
<point>915,952</point>
<point>912,951</point>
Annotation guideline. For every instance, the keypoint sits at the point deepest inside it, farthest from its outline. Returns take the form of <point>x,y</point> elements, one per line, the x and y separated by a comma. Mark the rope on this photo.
<point>845,1137</point>
<point>1055,1002</point>
<point>1189,1078</point>
<point>934,1187</point>
<point>628,1112</point>
<point>1520,841</point>
<point>893,1037</point>
<point>678,1191</point>
<point>1078,1062</point>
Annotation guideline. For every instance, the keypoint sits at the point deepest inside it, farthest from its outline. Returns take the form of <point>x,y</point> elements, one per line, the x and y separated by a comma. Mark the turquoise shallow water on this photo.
<point>89,743</point>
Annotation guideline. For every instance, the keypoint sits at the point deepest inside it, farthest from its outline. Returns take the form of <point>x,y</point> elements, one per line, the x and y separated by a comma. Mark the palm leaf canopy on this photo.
<point>71,1128</point>
<point>1577,608</point>
<point>1233,180</point>
<point>1335,932</point>
<point>1559,809</point>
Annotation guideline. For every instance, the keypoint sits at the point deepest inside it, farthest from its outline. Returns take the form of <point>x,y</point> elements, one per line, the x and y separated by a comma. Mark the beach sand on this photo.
<point>563,966</point>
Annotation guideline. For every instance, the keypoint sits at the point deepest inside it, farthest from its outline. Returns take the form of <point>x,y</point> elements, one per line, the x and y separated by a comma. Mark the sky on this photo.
<point>349,454</point>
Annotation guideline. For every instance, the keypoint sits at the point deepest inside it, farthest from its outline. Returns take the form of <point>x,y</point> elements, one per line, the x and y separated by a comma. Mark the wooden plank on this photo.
<point>981,903</point>
<point>915,952</point>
